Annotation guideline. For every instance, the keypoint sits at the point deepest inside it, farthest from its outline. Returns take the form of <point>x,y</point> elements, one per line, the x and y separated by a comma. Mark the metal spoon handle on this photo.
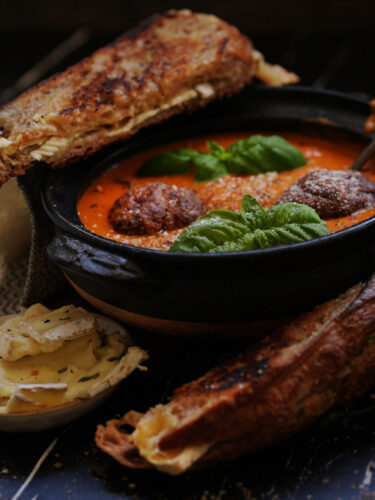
<point>364,156</point>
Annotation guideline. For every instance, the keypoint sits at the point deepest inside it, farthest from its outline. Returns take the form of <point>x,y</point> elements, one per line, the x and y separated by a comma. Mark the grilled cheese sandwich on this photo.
<point>172,62</point>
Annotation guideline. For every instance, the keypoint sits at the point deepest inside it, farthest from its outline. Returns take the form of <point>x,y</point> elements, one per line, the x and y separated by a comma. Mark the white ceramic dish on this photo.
<point>51,417</point>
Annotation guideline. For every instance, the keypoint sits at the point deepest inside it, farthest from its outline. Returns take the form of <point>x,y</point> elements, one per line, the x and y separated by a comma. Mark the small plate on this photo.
<point>51,417</point>
<point>48,418</point>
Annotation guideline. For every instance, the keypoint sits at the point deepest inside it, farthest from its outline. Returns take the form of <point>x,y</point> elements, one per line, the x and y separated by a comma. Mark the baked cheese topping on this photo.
<point>31,396</point>
<point>206,90</point>
<point>50,148</point>
<point>148,434</point>
<point>4,143</point>
<point>272,74</point>
<point>54,145</point>
<point>184,96</point>
<point>52,358</point>
<point>41,330</point>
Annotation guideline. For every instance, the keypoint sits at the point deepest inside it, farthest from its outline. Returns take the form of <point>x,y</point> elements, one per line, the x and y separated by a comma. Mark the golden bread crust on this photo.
<point>270,392</point>
<point>141,71</point>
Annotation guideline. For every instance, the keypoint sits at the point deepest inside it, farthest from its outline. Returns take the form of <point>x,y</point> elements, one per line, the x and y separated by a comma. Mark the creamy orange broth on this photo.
<point>227,192</point>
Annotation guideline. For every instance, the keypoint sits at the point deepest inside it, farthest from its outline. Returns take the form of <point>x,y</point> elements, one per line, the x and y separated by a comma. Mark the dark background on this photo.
<point>329,44</point>
<point>267,17</point>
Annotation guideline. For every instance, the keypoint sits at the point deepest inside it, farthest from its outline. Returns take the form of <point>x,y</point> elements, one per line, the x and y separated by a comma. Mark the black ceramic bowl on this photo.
<point>173,292</point>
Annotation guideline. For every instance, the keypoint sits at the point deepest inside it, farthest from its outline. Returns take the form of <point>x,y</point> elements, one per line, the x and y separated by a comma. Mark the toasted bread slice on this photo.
<point>275,389</point>
<point>175,61</point>
<point>171,62</point>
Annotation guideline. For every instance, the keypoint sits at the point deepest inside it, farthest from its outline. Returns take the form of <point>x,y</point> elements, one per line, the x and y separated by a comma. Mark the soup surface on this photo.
<point>226,192</point>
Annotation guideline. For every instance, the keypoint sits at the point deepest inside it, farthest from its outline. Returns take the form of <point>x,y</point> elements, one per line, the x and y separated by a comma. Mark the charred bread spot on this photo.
<point>68,111</point>
<point>100,91</point>
<point>242,374</point>
<point>228,376</point>
<point>332,193</point>
<point>223,45</point>
<point>155,207</point>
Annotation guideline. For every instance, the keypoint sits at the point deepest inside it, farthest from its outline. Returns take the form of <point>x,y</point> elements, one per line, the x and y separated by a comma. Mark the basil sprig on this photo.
<point>253,228</point>
<point>259,154</point>
<point>254,155</point>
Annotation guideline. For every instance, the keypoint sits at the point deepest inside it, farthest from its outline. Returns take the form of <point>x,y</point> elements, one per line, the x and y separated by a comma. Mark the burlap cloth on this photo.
<point>34,278</point>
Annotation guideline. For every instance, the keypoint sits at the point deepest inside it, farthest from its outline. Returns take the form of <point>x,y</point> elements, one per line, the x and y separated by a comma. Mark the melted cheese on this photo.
<point>34,396</point>
<point>54,145</point>
<point>4,143</point>
<point>40,330</point>
<point>50,148</point>
<point>79,365</point>
<point>206,90</point>
<point>272,74</point>
<point>150,430</point>
<point>184,96</point>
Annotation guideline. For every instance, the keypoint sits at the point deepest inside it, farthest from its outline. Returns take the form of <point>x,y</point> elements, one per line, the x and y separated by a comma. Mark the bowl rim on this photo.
<point>48,409</point>
<point>79,231</point>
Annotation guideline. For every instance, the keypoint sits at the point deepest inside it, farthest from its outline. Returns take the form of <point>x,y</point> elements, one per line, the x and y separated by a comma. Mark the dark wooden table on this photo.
<point>333,459</point>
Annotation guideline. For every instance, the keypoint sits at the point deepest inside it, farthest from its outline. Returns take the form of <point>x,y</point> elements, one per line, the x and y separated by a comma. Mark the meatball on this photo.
<point>332,193</point>
<point>155,207</point>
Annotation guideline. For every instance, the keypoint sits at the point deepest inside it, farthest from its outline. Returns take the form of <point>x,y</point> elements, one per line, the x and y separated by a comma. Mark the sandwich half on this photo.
<point>278,387</point>
<point>172,62</point>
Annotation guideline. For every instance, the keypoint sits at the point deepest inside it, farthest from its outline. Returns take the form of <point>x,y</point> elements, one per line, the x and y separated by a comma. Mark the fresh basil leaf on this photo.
<point>252,211</point>
<point>245,242</point>
<point>268,238</point>
<point>254,155</point>
<point>259,154</point>
<point>289,213</point>
<point>215,148</point>
<point>209,167</point>
<point>170,163</point>
<point>210,231</point>
<point>254,228</point>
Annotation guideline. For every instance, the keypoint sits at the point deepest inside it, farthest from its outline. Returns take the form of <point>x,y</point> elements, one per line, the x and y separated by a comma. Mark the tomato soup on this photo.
<point>226,192</point>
